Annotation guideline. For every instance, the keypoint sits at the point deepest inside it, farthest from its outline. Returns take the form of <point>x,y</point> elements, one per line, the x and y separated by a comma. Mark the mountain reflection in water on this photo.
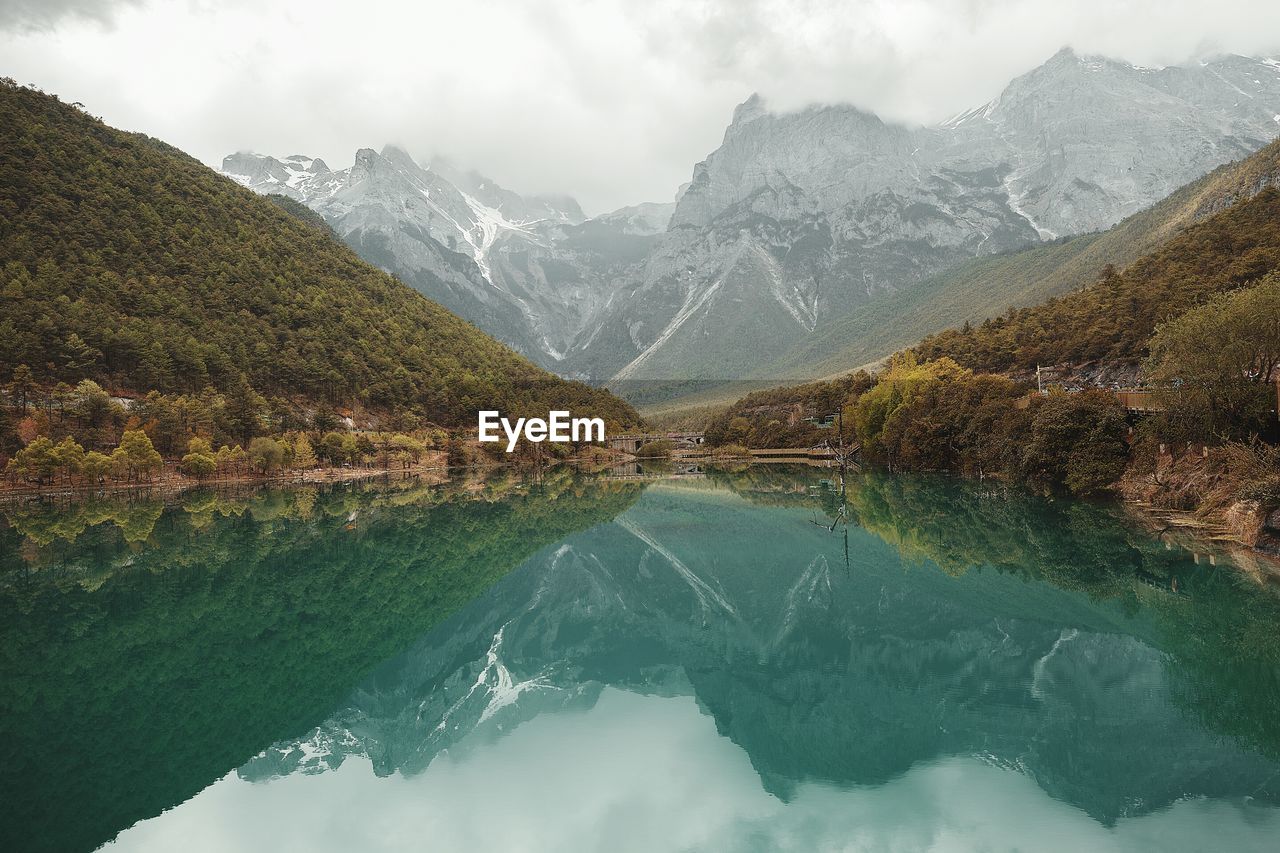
<point>592,664</point>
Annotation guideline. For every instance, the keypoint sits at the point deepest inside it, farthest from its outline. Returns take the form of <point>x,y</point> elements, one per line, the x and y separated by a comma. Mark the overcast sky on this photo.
<point>610,100</point>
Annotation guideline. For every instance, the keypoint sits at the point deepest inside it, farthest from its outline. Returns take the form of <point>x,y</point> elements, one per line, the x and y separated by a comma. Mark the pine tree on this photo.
<point>70,457</point>
<point>39,458</point>
<point>137,454</point>
<point>23,386</point>
<point>95,466</point>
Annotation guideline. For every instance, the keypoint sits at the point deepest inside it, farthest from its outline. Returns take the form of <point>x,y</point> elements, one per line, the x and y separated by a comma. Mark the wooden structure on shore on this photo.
<point>1137,401</point>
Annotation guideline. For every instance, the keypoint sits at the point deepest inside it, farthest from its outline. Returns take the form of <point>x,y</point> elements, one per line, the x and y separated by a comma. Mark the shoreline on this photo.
<point>172,481</point>
<point>1181,528</point>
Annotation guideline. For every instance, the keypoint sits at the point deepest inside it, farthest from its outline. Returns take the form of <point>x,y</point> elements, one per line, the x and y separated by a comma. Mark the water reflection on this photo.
<point>957,666</point>
<point>644,773</point>
<point>136,667</point>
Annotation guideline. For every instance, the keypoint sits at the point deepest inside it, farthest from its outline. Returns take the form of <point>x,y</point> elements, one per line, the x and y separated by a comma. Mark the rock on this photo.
<point>1245,521</point>
<point>1273,520</point>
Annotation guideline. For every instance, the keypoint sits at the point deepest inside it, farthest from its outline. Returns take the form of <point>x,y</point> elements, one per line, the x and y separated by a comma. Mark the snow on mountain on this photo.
<point>528,270</point>
<point>391,179</point>
<point>646,218</point>
<point>297,176</point>
<point>797,221</point>
<point>848,208</point>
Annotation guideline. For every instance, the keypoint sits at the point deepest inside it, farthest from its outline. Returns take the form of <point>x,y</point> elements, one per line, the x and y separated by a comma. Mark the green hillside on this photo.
<point>988,287</point>
<point>1115,317</point>
<point>128,262</point>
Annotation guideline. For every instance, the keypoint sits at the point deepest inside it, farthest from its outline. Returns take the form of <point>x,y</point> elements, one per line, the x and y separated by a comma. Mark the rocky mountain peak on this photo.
<point>750,109</point>
<point>365,164</point>
<point>398,156</point>
<point>800,218</point>
<point>796,221</point>
<point>1065,55</point>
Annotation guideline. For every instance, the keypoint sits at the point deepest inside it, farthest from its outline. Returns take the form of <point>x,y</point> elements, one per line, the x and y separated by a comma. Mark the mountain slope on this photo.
<point>852,210</point>
<point>1114,317</point>
<point>1229,238</point>
<point>988,287</point>
<point>129,262</point>
<point>531,271</point>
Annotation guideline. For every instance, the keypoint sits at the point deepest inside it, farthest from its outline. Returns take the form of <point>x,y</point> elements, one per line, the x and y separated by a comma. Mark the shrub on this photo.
<point>658,448</point>
<point>731,450</point>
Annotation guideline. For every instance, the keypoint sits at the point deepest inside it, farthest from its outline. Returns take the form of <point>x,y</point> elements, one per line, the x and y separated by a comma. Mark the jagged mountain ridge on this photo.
<point>798,222</point>
<point>525,269</point>
<point>969,292</point>
<point>828,210</point>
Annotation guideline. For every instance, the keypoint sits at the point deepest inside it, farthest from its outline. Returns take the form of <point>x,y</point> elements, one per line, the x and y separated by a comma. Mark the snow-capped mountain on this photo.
<point>799,219</point>
<point>524,269</point>
<point>512,206</point>
<point>462,210</point>
<point>297,176</point>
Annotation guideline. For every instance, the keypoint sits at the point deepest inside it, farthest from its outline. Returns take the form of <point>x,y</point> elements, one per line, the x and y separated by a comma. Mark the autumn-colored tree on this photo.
<point>38,459</point>
<point>897,387</point>
<point>28,430</point>
<point>964,423</point>
<point>304,456</point>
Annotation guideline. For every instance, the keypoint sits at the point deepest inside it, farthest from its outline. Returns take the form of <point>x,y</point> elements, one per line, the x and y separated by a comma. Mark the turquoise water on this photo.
<point>741,661</point>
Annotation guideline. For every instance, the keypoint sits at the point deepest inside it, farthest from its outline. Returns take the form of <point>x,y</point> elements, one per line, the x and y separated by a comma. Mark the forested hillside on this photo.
<point>1114,317</point>
<point>125,261</point>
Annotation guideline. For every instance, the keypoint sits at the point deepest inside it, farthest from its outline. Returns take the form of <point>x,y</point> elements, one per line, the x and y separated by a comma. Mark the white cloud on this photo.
<point>45,14</point>
<point>611,100</point>
<point>648,774</point>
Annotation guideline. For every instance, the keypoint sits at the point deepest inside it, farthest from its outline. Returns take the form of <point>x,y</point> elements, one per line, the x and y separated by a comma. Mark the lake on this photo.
<point>725,660</point>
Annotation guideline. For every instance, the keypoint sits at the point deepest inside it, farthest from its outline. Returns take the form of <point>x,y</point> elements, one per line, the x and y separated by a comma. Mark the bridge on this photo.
<point>630,442</point>
<point>637,471</point>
